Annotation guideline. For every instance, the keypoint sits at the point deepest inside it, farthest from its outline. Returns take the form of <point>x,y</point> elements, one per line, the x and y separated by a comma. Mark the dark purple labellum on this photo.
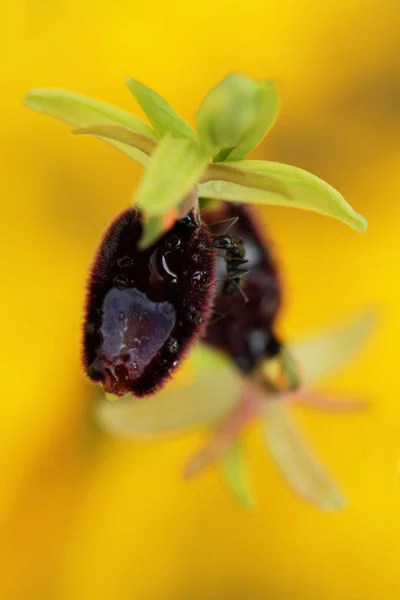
<point>243,319</point>
<point>145,308</point>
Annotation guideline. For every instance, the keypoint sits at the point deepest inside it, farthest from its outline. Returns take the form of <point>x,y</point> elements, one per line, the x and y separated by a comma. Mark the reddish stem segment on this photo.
<point>226,432</point>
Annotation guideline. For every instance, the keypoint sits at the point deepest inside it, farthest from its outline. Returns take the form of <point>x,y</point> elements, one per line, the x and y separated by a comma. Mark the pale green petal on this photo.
<point>82,111</point>
<point>235,476</point>
<point>296,461</point>
<point>303,190</point>
<point>319,355</point>
<point>267,114</point>
<point>211,389</point>
<point>163,118</point>
<point>174,169</point>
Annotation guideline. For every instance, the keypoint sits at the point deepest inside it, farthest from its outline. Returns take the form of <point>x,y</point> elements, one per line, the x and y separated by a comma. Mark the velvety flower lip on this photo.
<point>243,329</point>
<point>145,308</point>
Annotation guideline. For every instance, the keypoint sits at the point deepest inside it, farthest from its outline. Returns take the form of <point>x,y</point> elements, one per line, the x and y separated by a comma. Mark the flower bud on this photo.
<point>228,113</point>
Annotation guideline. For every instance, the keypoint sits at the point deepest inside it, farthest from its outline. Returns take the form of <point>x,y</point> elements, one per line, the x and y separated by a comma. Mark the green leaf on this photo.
<point>295,460</point>
<point>267,113</point>
<point>209,389</point>
<point>319,355</point>
<point>249,179</point>
<point>304,191</point>
<point>82,111</point>
<point>235,476</point>
<point>228,114</point>
<point>120,134</point>
<point>163,118</point>
<point>174,169</point>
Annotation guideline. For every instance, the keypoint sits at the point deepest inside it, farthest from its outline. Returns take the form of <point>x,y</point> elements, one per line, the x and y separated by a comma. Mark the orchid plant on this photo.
<point>153,290</point>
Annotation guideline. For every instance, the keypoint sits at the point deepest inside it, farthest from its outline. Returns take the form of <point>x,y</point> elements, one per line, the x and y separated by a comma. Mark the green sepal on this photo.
<point>297,463</point>
<point>321,354</point>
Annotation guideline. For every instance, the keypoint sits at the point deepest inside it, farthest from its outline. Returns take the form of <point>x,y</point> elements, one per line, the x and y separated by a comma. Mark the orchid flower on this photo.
<point>211,393</point>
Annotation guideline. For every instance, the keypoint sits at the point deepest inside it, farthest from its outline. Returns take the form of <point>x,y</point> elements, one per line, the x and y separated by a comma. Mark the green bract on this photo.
<point>81,111</point>
<point>231,121</point>
<point>228,113</point>
<point>300,189</point>
<point>235,116</point>
<point>163,118</point>
<point>174,169</point>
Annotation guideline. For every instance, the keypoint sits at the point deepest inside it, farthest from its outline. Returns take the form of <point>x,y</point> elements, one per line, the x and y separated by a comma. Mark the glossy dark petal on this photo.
<point>145,308</point>
<point>244,330</point>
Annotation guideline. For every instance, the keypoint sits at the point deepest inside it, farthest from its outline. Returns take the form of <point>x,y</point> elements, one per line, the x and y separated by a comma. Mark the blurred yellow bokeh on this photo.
<point>87,517</point>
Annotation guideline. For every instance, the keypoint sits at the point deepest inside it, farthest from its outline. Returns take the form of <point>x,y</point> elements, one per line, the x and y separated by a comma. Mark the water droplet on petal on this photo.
<point>172,242</point>
<point>120,281</point>
<point>196,258</point>
<point>199,281</point>
<point>173,346</point>
<point>125,262</point>
<point>193,315</point>
<point>161,274</point>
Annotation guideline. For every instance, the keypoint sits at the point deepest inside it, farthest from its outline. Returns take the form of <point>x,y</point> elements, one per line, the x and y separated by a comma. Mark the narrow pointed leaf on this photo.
<point>235,476</point>
<point>319,355</point>
<point>223,172</point>
<point>296,461</point>
<point>120,134</point>
<point>82,111</point>
<point>208,390</point>
<point>267,114</point>
<point>304,191</point>
<point>174,169</point>
<point>163,118</point>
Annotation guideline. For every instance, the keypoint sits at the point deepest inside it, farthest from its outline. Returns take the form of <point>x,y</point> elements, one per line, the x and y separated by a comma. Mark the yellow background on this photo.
<point>86,517</point>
